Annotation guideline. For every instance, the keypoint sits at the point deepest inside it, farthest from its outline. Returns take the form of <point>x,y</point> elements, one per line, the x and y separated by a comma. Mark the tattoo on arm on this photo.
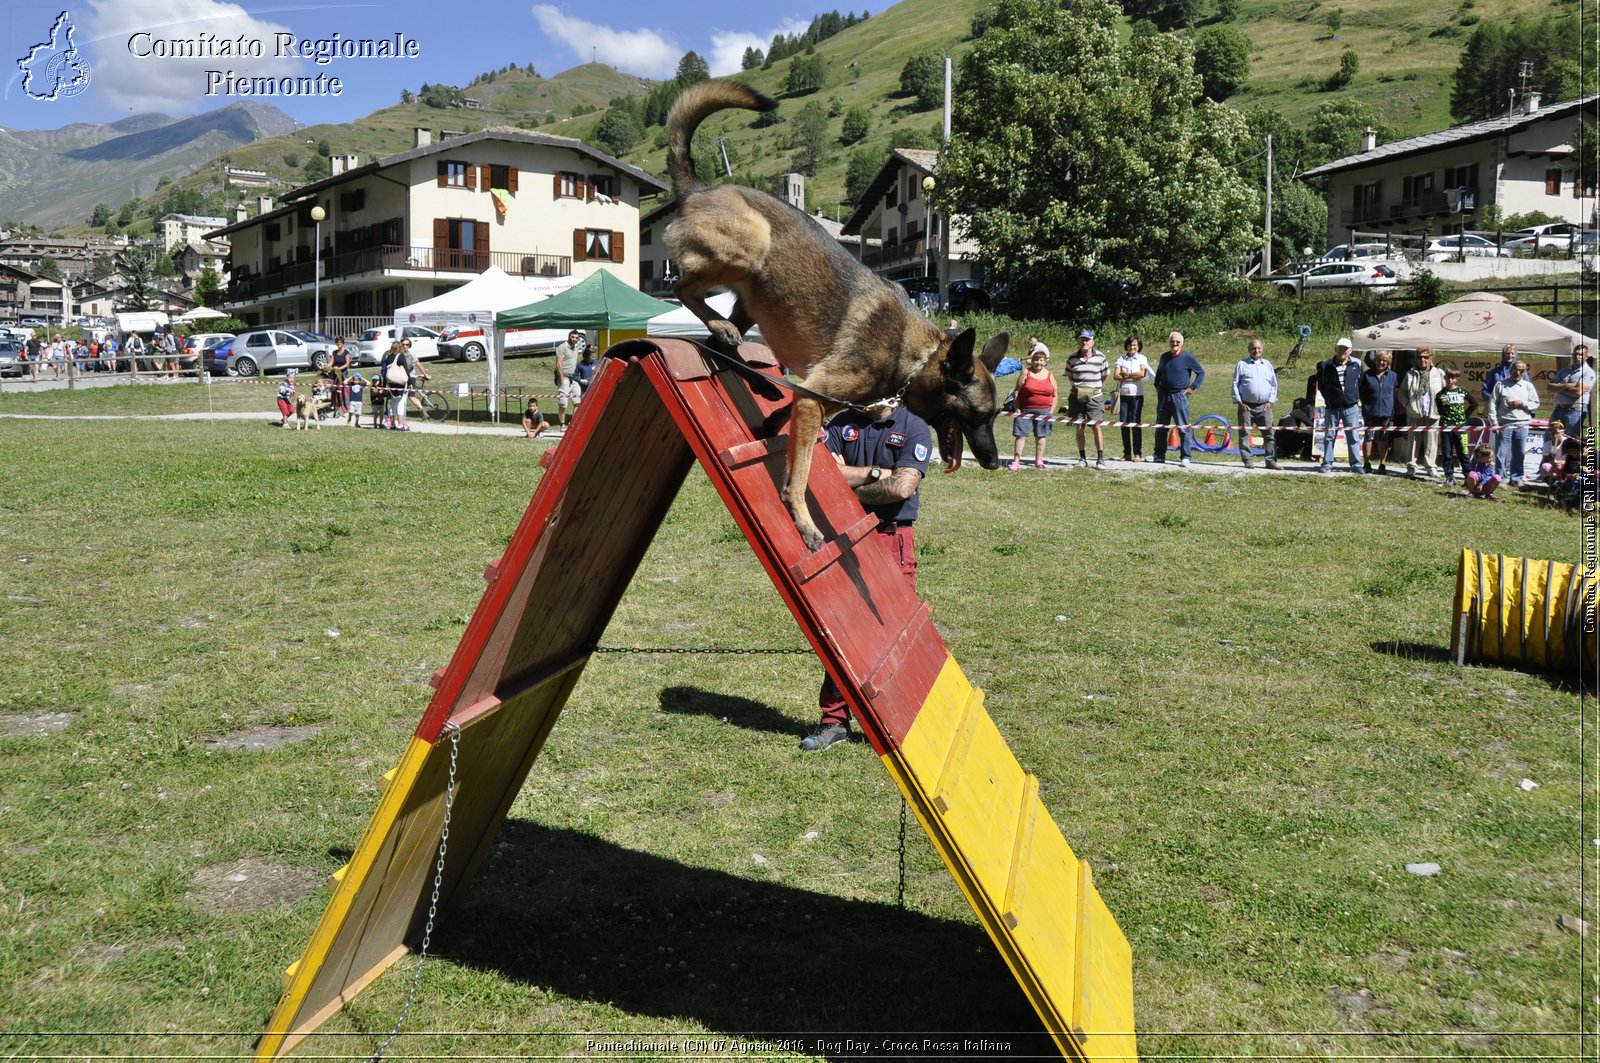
<point>900,485</point>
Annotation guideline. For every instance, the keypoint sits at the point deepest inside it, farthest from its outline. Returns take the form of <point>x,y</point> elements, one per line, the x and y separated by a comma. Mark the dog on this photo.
<point>850,335</point>
<point>307,411</point>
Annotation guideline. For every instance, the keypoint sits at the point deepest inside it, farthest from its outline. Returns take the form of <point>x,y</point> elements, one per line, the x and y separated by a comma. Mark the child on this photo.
<point>322,394</point>
<point>533,423</point>
<point>286,396</point>
<point>1481,476</point>
<point>357,389</point>
<point>1455,405</point>
<point>1555,438</point>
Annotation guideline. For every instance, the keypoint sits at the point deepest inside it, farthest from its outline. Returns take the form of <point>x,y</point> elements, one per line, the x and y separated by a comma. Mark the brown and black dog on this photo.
<point>847,333</point>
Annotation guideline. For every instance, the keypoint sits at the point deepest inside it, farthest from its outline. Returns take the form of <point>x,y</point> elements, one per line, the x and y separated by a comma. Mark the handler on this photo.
<point>883,454</point>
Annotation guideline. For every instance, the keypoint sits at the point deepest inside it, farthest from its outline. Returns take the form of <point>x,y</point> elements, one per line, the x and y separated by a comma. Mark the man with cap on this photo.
<point>1178,375</point>
<point>1339,380</point>
<point>1087,370</point>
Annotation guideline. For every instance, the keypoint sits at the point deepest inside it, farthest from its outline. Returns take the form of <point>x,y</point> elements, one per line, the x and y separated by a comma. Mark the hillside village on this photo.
<point>855,142</point>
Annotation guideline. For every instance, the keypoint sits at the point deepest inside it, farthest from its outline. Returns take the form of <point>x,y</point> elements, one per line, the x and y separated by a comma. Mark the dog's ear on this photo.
<point>958,359</point>
<point>995,350</point>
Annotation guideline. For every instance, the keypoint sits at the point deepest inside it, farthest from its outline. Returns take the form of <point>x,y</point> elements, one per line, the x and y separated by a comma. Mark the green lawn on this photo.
<point>1233,690</point>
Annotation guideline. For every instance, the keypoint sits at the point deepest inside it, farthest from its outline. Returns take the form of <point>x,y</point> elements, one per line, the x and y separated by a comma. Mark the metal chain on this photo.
<point>454,730</point>
<point>900,894</point>
<point>700,649</point>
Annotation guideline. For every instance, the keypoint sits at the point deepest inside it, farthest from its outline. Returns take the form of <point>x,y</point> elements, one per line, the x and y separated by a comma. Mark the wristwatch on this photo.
<point>875,474</point>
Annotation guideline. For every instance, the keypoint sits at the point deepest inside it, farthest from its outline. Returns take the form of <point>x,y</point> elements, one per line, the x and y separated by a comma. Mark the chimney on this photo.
<point>1369,139</point>
<point>263,205</point>
<point>1530,103</point>
<point>423,137</point>
<point>240,213</point>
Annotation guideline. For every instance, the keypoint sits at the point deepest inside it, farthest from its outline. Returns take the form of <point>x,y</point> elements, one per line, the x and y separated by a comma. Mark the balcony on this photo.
<point>397,261</point>
<point>1428,205</point>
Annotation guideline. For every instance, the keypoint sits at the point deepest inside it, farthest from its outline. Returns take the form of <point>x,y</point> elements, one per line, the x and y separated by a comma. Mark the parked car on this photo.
<point>1586,242</point>
<point>215,358</point>
<point>1345,252</point>
<point>321,343</point>
<point>965,295</point>
<point>11,363</point>
<point>924,292</point>
<point>375,341</point>
<point>1445,248</point>
<point>1551,234</point>
<point>32,322</point>
<point>267,350</point>
<point>1339,275</point>
<point>199,344</point>
<point>469,345</point>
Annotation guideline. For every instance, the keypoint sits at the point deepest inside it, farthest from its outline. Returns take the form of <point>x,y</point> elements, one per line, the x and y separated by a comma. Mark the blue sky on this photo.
<point>133,49</point>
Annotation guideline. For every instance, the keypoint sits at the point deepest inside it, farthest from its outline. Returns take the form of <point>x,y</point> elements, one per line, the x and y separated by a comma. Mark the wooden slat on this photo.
<point>1021,849</point>
<point>960,746</point>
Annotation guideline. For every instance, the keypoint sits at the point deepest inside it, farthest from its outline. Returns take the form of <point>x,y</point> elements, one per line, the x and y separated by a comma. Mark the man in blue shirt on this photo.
<point>1255,390</point>
<point>1339,380</point>
<point>1573,385</point>
<point>883,454</point>
<point>1177,377</point>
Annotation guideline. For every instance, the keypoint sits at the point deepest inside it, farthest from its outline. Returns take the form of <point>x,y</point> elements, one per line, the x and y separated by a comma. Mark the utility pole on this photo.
<point>722,143</point>
<point>944,222</point>
<point>1266,251</point>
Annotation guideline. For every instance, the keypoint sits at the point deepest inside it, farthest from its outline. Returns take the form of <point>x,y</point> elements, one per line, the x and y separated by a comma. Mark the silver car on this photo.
<point>267,350</point>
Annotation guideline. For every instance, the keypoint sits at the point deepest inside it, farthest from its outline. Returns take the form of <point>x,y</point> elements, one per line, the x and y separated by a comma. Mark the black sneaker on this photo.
<point>827,735</point>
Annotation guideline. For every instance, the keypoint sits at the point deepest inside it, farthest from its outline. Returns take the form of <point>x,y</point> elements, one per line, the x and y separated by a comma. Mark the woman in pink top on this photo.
<point>1036,401</point>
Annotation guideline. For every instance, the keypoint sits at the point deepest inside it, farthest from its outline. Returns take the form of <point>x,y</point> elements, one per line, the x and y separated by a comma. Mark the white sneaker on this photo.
<point>1184,463</point>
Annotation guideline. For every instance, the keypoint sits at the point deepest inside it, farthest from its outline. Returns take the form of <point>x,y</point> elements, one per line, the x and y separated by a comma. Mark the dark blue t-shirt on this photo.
<point>902,440</point>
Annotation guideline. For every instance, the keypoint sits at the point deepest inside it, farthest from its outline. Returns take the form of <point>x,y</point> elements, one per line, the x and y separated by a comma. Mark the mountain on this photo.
<point>54,177</point>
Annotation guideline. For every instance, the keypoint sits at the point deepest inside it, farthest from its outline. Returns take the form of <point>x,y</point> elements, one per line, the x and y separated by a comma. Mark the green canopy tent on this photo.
<point>600,302</point>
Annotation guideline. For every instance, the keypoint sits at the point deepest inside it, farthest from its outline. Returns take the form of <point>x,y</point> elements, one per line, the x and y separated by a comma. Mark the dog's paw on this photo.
<point>725,335</point>
<point>812,537</point>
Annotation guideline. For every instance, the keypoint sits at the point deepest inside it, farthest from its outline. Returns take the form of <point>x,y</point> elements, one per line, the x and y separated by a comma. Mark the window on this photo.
<point>570,186</point>
<point>460,244</point>
<point>503,177</point>
<point>1552,181</point>
<point>455,174</point>
<point>1413,188</point>
<point>350,202</point>
<point>601,244</point>
<point>601,184</point>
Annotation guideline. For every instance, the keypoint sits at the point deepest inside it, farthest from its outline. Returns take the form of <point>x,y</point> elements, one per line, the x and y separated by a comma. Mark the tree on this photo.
<point>1335,20</point>
<point>619,131</point>
<point>325,147</point>
<point>407,96</point>
<point>692,68</point>
<point>857,124</point>
<point>808,137</point>
<point>1299,220</point>
<point>807,74</point>
<point>1222,59</point>
<point>208,286</point>
<point>49,267</point>
<point>1349,66</point>
<point>141,274</point>
<point>1121,179</point>
<point>906,137</point>
<point>1227,10</point>
<point>922,76</point>
<point>104,266</point>
<point>753,58</point>
<point>316,168</point>
<point>859,172</point>
<point>1335,129</point>
<point>101,214</point>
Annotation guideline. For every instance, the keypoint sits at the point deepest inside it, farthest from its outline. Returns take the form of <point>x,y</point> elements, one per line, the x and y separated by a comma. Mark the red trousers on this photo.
<point>901,542</point>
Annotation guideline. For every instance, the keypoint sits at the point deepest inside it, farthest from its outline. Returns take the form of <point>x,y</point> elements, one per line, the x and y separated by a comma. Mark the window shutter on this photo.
<point>511,178</point>
<point>480,238</point>
<point>583,188</point>
<point>616,247</point>
<point>444,174</point>
<point>558,184</point>
<point>579,242</point>
<point>441,232</point>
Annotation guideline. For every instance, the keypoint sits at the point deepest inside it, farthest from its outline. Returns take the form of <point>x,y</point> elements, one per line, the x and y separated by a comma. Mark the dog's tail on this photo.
<point>694,105</point>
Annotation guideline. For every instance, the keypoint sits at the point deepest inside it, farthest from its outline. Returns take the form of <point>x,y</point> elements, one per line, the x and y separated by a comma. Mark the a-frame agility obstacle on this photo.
<point>657,407</point>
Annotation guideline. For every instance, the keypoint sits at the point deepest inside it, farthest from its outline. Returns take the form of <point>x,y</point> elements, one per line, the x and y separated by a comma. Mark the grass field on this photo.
<point>1234,691</point>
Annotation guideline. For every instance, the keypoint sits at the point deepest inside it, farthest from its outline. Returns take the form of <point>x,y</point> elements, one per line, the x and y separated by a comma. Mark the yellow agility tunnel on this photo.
<point>1517,610</point>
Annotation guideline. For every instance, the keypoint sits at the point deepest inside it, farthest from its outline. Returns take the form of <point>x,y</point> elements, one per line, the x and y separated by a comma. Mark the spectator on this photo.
<point>339,362</point>
<point>1255,391</point>
<point>58,355</point>
<point>355,393</point>
<point>395,373</point>
<point>1563,472</point>
<point>1377,411</point>
<point>81,356</point>
<point>1455,406</point>
<point>1132,370</point>
<point>1573,384</point>
<point>585,373</point>
<point>286,397</point>
<point>1511,410</point>
<point>533,423</point>
<point>566,365</point>
<point>1294,434</point>
<point>1508,355</point>
<point>1419,392</point>
<point>1482,477</point>
<point>418,374</point>
<point>1555,436</point>
<point>33,352</point>
<point>1087,370</point>
<point>1178,375</point>
<point>1339,379</point>
<point>134,346</point>
<point>1036,401</point>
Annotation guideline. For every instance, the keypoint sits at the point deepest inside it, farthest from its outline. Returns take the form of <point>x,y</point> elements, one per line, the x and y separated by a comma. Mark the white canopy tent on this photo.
<point>199,313</point>
<point>1481,321</point>
<point>475,305</point>
<point>682,324</point>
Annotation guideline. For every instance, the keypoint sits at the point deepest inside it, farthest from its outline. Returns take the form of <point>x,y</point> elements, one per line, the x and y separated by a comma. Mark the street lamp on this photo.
<point>928,185</point>
<point>317,214</point>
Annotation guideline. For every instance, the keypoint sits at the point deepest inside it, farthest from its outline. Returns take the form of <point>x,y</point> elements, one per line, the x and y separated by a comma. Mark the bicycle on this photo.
<point>431,404</point>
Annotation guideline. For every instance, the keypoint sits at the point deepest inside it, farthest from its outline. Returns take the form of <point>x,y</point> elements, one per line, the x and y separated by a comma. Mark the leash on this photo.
<point>753,373</point>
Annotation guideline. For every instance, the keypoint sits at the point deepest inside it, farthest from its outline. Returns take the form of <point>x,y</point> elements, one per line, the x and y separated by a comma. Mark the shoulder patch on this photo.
<point>920,451</point>
<point>851,433</point>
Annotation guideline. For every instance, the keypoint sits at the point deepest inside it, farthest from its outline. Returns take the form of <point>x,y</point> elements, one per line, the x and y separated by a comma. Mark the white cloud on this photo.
<point>647,53</point>
<point>131,84</point>
<point>728,46</point>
